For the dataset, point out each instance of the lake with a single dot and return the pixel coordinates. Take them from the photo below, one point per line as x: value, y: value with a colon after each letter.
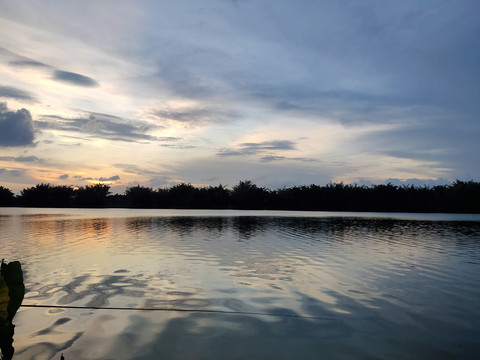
x: 286, y: 285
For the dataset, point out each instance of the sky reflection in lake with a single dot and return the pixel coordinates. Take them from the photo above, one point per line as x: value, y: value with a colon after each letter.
x: 405, y: 287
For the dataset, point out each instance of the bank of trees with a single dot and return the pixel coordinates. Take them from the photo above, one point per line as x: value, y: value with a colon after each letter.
x: 460, y: 196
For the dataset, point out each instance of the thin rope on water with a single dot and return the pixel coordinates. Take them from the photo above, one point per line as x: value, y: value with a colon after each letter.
x: 180, y: 310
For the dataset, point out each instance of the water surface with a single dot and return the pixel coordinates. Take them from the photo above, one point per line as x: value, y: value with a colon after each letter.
x: 382, y: 286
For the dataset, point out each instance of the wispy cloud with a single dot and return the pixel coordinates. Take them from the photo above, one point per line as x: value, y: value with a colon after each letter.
x: 251, y: 148
x: 194, y: 116
x: 89, y: 178
x: 135, y: 169
x: 30, y: 158
x: 98, y: 125
x: 74, y: 78
x: 28, y: 63
x: 14, y: 173
x: 266, y: 150
x: 111, y: 178
x: 17, y: 94
x: 169, y: 139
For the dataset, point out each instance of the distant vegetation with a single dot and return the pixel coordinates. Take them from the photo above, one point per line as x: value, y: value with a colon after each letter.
x: 458, y: 197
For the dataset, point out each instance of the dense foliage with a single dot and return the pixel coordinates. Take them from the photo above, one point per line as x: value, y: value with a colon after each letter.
x: 460, y: 196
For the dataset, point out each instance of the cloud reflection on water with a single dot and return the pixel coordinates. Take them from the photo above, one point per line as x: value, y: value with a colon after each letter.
x: 400, y: 286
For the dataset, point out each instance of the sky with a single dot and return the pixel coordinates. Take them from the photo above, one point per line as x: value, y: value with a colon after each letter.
x: 208, y: 92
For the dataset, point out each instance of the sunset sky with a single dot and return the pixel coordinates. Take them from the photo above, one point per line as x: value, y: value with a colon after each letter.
x: 281, y: 93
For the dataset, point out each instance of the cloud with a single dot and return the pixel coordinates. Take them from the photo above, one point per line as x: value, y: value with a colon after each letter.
x: 258, y: 148
x: 285, y: 64
x: 64, y: 177
x: 20, y: 158
x: 17, y: 94
x: 229, y: 171
x: 163, y: 181
x: 173, y: 143
x: 111, y: 178
x: 135, y: 169
x: 168, y: 138
x: 178, y: 146
x: 100, y: 126
x: 16, y: 128
x: 353, y: 63
x: 196, y: 115
x: 270, y: 158
x: 449, y: 145
x: 28, y: 63
x: 74, y: 78
x: 265, y: 150
x: 12, y: 173
x: 89, y: 178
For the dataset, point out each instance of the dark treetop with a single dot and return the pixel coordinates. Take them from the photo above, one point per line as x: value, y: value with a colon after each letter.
x: 458, y: 197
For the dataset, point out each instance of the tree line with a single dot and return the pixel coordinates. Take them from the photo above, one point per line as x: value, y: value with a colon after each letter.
x: 458, y: 197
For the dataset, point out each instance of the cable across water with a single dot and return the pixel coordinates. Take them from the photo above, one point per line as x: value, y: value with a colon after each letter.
x: 179, y: 310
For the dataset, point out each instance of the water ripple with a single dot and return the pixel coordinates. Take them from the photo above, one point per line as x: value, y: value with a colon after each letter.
x: 402, y: 284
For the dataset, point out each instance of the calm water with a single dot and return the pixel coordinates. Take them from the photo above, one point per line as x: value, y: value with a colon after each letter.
x: 385, y: 286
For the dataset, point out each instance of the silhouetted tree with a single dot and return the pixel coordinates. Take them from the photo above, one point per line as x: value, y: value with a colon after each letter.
x: 184, y: 196
x: 46, y: 195
x: 61, y: 196
x: 461, y: 196
x: 464, y: 196
x: 246, y: 195
x: 36, y: 196
x: 92, y: 196
x: 162, y: 199
x: 215, y: 197
x: 139, y: 197
x: 386, y: 197
x: 6, y: 197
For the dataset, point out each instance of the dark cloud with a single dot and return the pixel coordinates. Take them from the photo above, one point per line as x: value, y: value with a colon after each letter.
x: 89, y: 178
x: 20, y: 158
x: 180, y: 147
x: 100, y: 126
x: 270, y: 158
x: 16, y: 128
x: 28, y: 63
x: 15, y: 173
x: 265, y: 150
x: 169, y: 138
x: 351, y: 62
x: 269, y: 145
x: 111, y: 178
x: 74, y: 78
x: 259, y: 148
x: 196, y: 116
x: 303, y: 159
x: 64, y: 177
x: 17, y: 94
x: 440, y: 142
x: 342, y: 105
